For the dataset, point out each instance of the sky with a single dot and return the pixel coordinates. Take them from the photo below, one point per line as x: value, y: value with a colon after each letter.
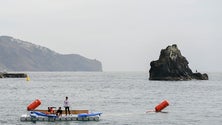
x: 125, y: 35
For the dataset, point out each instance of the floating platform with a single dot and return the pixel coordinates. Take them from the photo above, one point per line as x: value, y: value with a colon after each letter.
x: 50, y: 114
x: 27, y: 117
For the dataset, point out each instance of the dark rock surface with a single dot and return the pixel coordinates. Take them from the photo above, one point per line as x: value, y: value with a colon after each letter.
x: 171, y: 65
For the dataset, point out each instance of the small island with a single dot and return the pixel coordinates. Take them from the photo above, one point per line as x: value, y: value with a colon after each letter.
x: 171, y: 65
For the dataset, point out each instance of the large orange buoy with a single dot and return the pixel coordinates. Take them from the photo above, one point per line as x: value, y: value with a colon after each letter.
x: 33, y: 105
x: 161, y: 106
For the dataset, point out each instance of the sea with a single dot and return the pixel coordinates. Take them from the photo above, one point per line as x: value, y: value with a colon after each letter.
x: 122, y: 97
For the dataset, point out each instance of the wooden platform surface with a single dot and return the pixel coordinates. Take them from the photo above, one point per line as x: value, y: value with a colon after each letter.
x: 63, y: 111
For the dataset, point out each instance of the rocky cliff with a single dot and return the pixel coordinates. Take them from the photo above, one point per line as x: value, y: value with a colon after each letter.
x: 18, y: 55
x: 171, y: 65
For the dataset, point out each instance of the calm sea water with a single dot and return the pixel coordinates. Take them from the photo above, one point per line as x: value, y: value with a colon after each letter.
x: 123, y: 97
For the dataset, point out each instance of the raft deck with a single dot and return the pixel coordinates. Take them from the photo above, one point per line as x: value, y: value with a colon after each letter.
x: 63, y: 111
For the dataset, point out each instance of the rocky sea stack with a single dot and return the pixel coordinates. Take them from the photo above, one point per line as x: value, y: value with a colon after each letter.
x: 171, y: 65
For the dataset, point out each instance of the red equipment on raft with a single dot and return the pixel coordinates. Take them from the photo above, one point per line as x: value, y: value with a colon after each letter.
x: 161, y: 106
x: 33, y: 105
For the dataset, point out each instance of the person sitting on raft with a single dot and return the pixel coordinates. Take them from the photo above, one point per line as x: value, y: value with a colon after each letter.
x: 59, y: 112
x: 51, y: 110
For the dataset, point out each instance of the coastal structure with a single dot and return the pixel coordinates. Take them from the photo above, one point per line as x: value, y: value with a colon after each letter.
x: 13, y: 75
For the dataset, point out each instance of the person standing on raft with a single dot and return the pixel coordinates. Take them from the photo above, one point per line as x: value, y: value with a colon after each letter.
x: 66, y: 105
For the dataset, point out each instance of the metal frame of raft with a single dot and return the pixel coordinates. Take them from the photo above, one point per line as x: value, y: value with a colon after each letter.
x: 27, y: 117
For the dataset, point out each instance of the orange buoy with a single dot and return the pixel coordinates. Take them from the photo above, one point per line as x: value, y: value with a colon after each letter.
x: 33, y: 105
x: 161, y: 106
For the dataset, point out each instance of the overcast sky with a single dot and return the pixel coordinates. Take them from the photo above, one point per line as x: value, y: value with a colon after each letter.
x: 125, y: 35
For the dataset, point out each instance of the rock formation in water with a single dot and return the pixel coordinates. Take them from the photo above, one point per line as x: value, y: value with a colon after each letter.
x: 171, y: 65
x: 18, y: 55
